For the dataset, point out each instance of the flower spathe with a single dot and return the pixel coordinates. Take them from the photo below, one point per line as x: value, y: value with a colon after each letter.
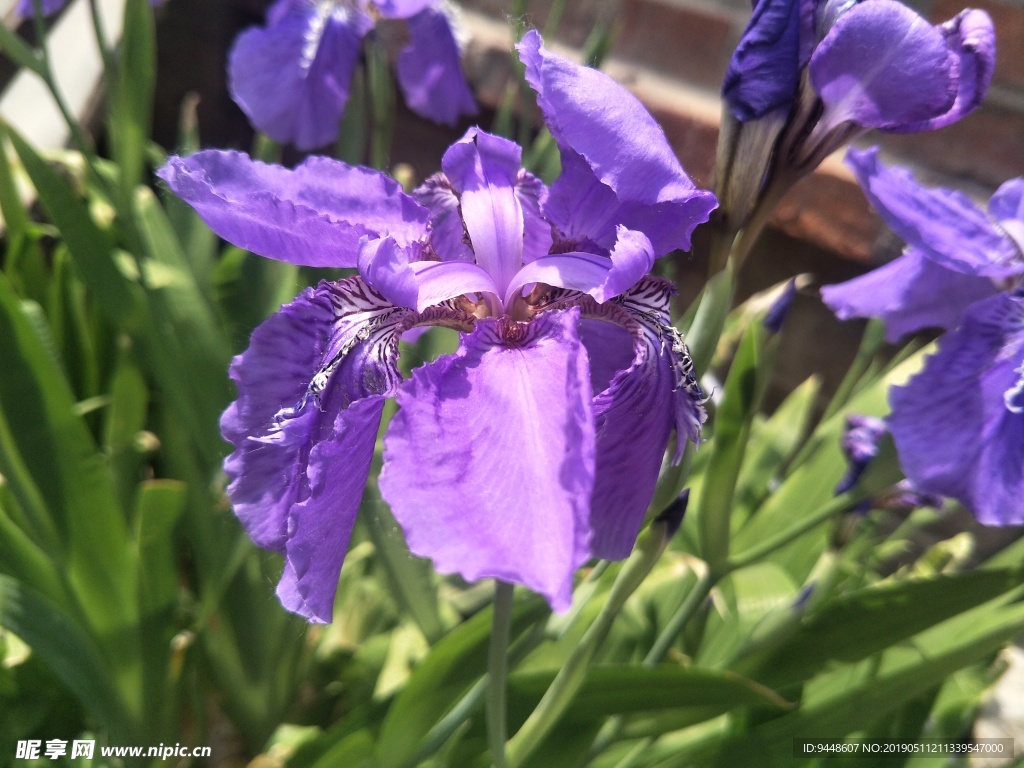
x: 875, y: 63
x: 808, y: 76
x: 958, y: 425
x: 292, y: 76
x: 533, y: 448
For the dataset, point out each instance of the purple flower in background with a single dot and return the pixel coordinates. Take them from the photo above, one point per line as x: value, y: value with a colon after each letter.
x: 537, y: 445
x: 50, y: 7
x: 292, y: 76
x: 872, y: 64
x: 956, y: 255
x: 958, y: 425
x: 860, y: 445
x: 810, y: 75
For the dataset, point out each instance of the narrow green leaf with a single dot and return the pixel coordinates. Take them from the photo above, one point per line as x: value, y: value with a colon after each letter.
x: 132, y: 102
x: 66, y: 649
x: 19, y: 52
x: 123, y: 425
x: 860, y: 624
x: 92, y: 251
x: 452, y: 666
x: 733, y: 420
x: 626, y: 689
x: 408, y: 575
x: 69, y: 473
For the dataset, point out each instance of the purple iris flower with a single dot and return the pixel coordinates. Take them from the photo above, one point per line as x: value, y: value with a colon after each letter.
x: 958, y: 425
x: 957, y: 254
x: 810, y: 75
x: 537, y: 445
x: 50, y: 7
x: 292, y: 76
x: 872, y: 64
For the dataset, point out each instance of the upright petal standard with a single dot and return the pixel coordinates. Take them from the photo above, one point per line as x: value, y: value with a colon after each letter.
x: 534, y: 447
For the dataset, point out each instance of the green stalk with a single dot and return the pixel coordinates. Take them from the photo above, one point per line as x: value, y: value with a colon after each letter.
x: 497, y: 674
x: 570, y: 677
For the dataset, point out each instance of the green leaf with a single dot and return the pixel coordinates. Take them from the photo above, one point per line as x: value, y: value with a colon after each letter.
x: 124, y: 423
x: 855, y: 699
x: 410, y: 577
x: 629, y: 689
x: 115, y: 296
x: 68, y: 471
x: 772, y: 442
x: 65, y: 648
x: 457, y: 661
x: 703, y: 333
x: 743, y: 390
x: 863, y: 623
x: 132, y: 100
x: 19, y: 52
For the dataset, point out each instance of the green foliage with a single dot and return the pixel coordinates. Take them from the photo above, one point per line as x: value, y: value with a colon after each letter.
x: 132, y: 607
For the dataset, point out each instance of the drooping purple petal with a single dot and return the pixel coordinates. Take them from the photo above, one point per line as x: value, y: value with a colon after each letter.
x: 483, y: 169
x: 637, y: 413
x: 429, y: 71
x: 310, y: 396
x: 909, y: 294
x: 417, y: 284
x: 292, y: 78
x: 946, y: 222
x: 883, y: 66
x: 591, y: 115
x: 765, y: 68
x: 958, y: 425
x: 971, y: 40
x: 602, y: 277
x: 313, y: 215
x: 489, y: 462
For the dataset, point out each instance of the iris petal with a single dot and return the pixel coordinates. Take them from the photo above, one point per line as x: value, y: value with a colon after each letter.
x: 636, y: 415
x: 418, y: 284
x: 591, y: 115
x: 292, y: 77
x: 505, y: 427
x: 313, y: 215
x: 483, y: 169
x: 311, y: 390
x: 907, y: 78
x: 946, y: 222
x: 601, y: 277
x: 429, y: 71
x: 952, y: 429
x: 909, y: 294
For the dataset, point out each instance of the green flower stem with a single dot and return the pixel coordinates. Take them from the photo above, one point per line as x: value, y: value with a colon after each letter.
x: 51, y: 84
x: 871, y: 342
x: 497, y: 674
x: 838, y: 504
x: 705, y: 583
x: 572, y: 674
x: 467, y: 705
